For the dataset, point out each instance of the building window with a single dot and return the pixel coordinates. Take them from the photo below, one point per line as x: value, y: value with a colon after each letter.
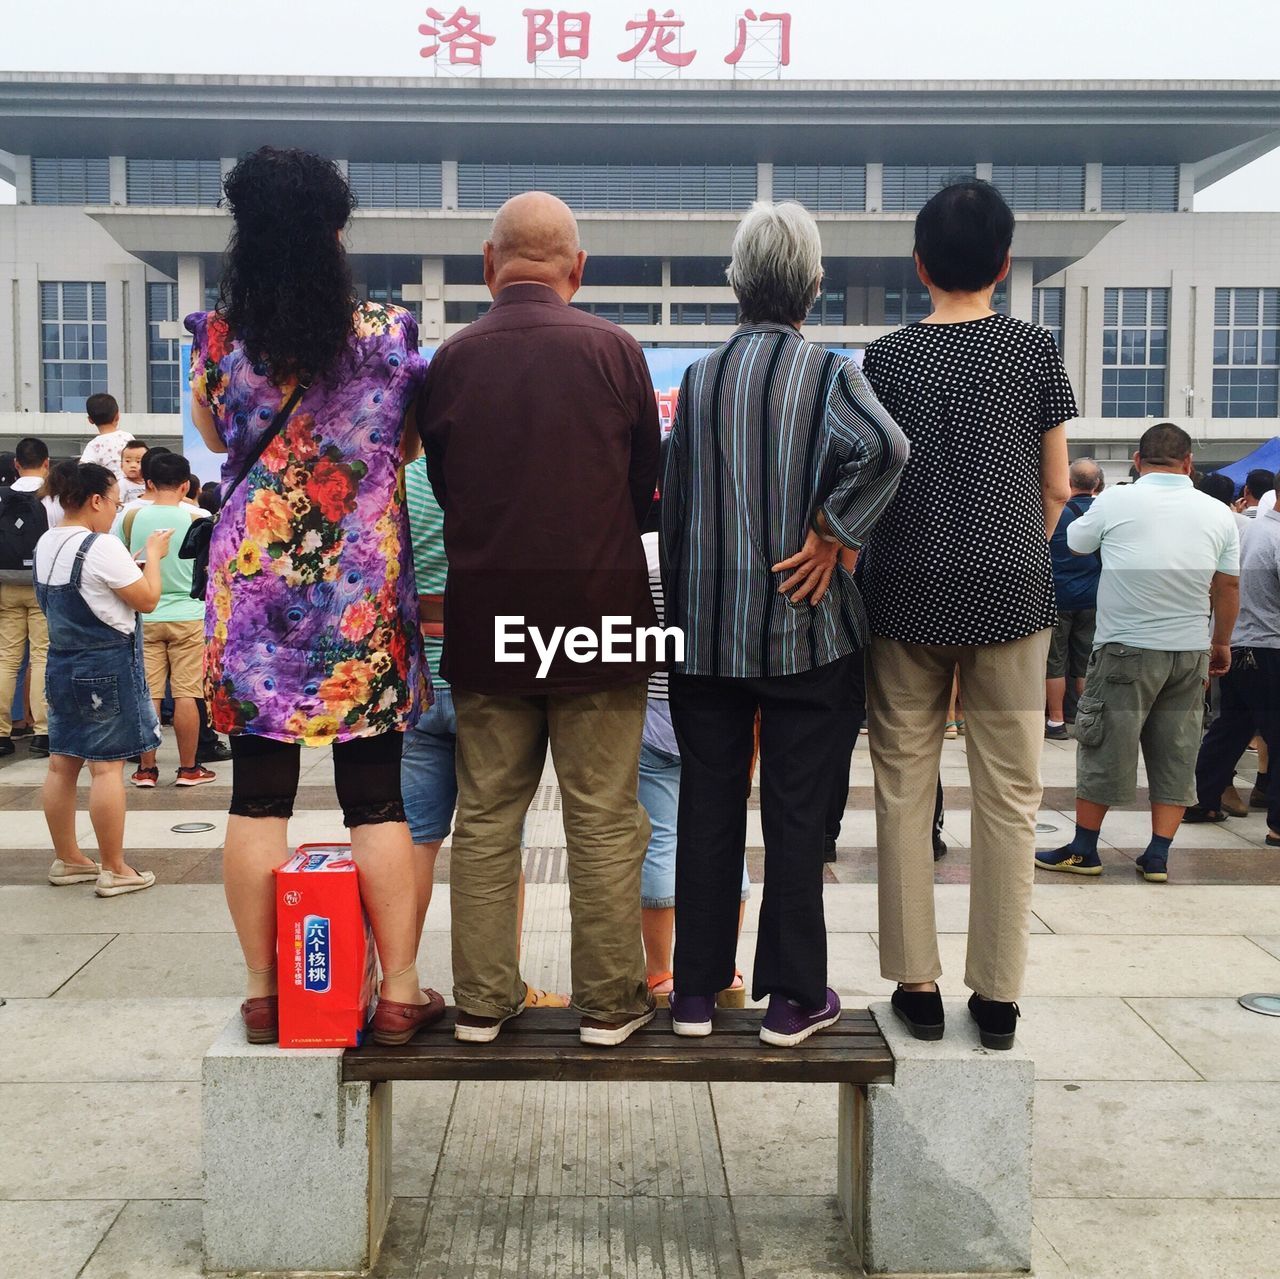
x: 70, y: 181
x: 1135, y: 346
x: 829, y: 308
x: 174, y: 182
x: 1246, y: 352
x: 1140, y: 188
x: 693, y: 187
x: 1040, y: 187
x: 824, y: 188
x: 465, y: 312
x: 1046, y: 311
x: 722, y: 313
x: 73, y: 344
x: 387, y: 185
x: 623, y: 312
x: 163, y: 357
x: 910, y: 305
x: 908, y: 187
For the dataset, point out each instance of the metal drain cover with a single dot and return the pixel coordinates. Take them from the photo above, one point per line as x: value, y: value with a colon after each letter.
x: 1268, y: 1005
x: 191, y: 828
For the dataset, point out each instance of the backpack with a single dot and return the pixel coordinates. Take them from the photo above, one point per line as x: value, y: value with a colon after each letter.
x: 22, y: 521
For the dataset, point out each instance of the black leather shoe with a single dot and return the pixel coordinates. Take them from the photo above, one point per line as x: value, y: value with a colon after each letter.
x: 6, y: 746
x: 997, y: 1022
x: 216, y: 752
x: 39, y: 747
x: 920, y: 1011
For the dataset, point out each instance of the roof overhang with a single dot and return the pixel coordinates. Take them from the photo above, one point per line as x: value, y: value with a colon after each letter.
x: 1066, y: 121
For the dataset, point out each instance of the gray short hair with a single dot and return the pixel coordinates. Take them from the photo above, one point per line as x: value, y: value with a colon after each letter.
x: 776, y: 269
x: 1084, y: 475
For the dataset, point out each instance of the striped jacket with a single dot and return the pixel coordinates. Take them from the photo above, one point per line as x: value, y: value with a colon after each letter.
x: 769, y: 429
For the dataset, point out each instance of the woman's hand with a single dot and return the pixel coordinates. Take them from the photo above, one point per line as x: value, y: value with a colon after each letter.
x: 813, y: 566
x: 157, y: 546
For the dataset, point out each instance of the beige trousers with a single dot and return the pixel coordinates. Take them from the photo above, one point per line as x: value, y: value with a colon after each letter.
x: 22, y: 623
x: 595, y: 745
x: 908, y: 688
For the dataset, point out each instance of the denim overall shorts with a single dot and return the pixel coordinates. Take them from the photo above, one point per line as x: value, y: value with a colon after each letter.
x: 99, y: 705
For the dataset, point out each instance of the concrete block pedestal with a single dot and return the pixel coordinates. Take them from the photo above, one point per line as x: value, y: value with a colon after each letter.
x: 297, y: 1164
x: 935, y: 1168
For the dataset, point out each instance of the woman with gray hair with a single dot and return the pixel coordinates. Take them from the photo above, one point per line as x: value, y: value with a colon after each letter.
x: 779, y: 456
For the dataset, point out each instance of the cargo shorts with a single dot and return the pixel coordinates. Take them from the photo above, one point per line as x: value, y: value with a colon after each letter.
x: 1140, y: 697
x: 1071, y: 643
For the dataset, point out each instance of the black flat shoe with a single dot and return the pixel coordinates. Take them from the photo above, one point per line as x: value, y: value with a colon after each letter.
x: 1194, y: 813
x: 997, y: 1022
x: 920, y: 1011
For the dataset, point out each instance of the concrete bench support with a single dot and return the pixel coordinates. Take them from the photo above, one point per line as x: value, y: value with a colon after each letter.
x: 297, y: 1164
x: 935, y: 1168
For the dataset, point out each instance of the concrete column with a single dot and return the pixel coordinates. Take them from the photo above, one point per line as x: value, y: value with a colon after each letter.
x: 1021, y: 282
x: 983, y: 169
x: 666, y: 291
x: 1182, y: 325
x: 1073, y: 338
x: 1091, y: 374
x: 855, y: 305
x: 432, y: 326
x: 127, y: 336
x: 190, y: 285
x: 22, y: 178
x: 875, y: 187
x: 1202, y: 349
x: 1186, y: 187
x: 117, y: 342
x: 227, y: 163
x: 1092, y: 188
x: 26, y: 329
x: 297, y: 1164
x: 875, y: 306
x: 946, y: 1147
x: 764, y: 181
x: 118, y: 179
x: 8, y: 342
x: 449, y: 183
x: 344, y: 166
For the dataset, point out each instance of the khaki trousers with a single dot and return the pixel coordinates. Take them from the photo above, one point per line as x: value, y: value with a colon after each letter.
x: 908, y: 688
x: 595, y: 745
x: 22, y: 623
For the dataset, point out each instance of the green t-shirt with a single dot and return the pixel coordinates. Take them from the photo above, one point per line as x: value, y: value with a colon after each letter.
x: 176, y: 604
x: 426, y: 531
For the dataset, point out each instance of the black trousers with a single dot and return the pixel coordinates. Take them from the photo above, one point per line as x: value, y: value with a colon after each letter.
x: 840, y: 787
x: 804, y: 736
x: 1249, y: 694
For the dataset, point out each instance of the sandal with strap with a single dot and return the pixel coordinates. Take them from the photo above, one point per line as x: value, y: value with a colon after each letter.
x: 661, y: 998
x: 535, y: 998
x: 734, y: 996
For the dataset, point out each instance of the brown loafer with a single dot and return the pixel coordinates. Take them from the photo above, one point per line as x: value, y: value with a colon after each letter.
x: 395, y: 1023
x: 261, y: 1018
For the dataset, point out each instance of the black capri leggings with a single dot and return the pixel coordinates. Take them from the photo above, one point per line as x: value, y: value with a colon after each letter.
x: 264, y: 778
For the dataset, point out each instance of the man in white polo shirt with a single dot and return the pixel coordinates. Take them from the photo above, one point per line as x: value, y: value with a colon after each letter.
x: 1170, y: 557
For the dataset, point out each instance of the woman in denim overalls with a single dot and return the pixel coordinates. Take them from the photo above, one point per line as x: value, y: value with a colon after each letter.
x: 100, y: 711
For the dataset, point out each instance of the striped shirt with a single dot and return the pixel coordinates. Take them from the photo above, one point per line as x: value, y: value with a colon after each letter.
x: 430, y: 567
x: 769, y: 429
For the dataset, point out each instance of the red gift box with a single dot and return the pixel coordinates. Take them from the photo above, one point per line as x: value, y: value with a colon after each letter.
x: 325, y: 955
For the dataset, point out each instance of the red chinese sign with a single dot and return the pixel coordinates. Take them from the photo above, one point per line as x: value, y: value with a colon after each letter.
x: 460, y: 34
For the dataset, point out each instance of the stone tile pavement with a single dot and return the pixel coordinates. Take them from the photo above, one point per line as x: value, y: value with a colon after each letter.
x: 1157, y: 1108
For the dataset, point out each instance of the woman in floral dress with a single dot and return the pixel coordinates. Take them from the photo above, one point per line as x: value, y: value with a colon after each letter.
x: 311, y: 623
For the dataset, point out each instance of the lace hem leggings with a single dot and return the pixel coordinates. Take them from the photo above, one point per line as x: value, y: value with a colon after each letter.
x: 264, y: 778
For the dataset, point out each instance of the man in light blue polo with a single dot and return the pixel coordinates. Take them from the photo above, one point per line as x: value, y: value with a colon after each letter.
x: 1170, y: 557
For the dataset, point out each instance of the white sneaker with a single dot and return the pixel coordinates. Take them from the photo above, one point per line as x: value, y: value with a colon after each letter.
x: 112, y: 885
x: 481, y: 1030
x: 602, y: 1036
x: 61, y: 873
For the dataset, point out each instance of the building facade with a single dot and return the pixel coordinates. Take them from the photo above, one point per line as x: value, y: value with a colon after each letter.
x: 1159, y: 311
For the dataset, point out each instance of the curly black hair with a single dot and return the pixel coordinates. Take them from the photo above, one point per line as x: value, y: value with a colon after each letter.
x: 286, y: 289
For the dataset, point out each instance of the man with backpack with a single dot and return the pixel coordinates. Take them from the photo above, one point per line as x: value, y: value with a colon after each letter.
x: 23, y: 518
x: 173, y: 633
x: 1075, y: 584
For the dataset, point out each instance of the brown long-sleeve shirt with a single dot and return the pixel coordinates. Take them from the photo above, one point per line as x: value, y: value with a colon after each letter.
x: 540, y: 429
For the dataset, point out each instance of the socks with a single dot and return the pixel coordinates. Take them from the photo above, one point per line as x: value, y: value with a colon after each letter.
x: 1159, y: 845
x: 404, y: 987
x: 1086, y: 841
x: 262, y: 981
x: 1053, y: 723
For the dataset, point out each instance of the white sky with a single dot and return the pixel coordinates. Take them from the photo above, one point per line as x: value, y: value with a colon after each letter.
x: 839, y: 39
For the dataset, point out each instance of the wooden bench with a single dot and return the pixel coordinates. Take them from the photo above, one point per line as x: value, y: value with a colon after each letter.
x: 298, y: 1144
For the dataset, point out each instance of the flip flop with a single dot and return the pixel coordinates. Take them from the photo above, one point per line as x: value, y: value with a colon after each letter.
x: 734, y: 996
x: 535, y: 998
x: 661, y: 998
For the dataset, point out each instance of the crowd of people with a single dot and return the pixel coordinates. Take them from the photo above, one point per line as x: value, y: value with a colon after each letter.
x: 422, y: 566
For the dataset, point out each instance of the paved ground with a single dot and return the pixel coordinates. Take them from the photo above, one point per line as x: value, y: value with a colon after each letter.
x: 1157, y: 1107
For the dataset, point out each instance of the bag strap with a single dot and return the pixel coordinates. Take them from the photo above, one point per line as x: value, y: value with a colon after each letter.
x: 127, y: 526
x: 277, y: 425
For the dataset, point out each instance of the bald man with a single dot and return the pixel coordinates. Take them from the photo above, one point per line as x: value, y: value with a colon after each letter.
x: 540, y: 429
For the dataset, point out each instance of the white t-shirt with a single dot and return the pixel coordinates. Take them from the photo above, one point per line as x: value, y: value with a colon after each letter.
x: 107, y: 566
x: 1267, y: 502
x: 105, y: 450
x: 131, y: 490
x: 33, y: 484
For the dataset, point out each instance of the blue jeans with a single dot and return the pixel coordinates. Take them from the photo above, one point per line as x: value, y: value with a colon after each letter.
x: 428, y: 776
x: 660, y: 798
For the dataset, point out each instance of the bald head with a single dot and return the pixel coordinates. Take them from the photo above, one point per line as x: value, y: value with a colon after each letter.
x: 534, y: 240
x: 1084, y: 475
